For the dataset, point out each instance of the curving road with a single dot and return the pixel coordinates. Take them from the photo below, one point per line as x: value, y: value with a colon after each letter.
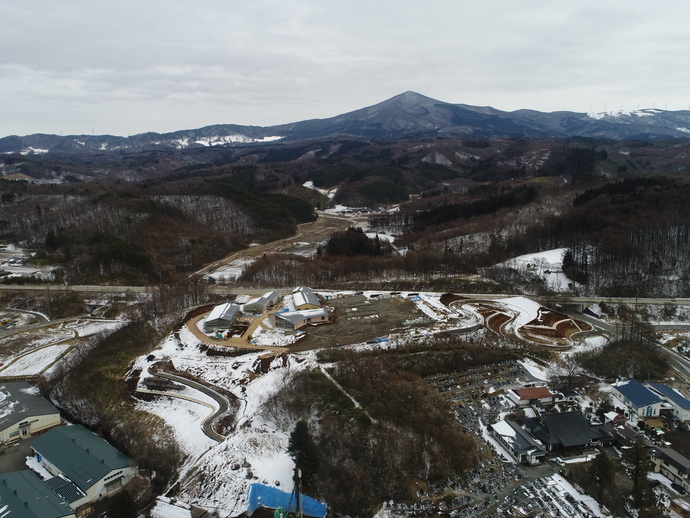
x: 223, y: 403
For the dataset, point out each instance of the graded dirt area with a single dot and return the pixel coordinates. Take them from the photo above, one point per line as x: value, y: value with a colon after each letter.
x: 359, y: 320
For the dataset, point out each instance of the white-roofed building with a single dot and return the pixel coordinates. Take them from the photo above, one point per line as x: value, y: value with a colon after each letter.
x: 261, y: 304
x: 305, y: 298
x: 221, y: 317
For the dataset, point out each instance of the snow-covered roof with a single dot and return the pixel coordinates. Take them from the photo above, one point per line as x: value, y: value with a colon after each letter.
x: 304, y: 295
x: 226, y: 311
x: 21, y: 400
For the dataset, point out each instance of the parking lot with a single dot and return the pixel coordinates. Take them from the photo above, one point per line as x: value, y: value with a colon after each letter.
x: 14, y: 458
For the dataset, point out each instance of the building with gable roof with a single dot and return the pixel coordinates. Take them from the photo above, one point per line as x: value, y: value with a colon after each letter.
x: 672, y: 465
x: 305, y: 298
x: 24, y: 495
x: 680, y: 406
x: 261, y: 304
x: 24, y: 412
x: 637, y: 399
x: 221, y: 317
x: 85, y: 467
x: 566, y: 431
x: 525, y: 397
x: 518, y: 443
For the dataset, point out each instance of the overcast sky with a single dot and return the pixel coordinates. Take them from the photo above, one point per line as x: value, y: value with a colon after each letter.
x: 126, y: 67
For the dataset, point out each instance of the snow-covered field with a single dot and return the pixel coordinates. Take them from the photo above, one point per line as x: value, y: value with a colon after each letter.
x: 35, y: 362
x: 547, y: 264
x: 230, y: 272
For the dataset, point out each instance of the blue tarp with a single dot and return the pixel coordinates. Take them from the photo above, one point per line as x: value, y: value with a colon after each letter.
x: 261, y: 495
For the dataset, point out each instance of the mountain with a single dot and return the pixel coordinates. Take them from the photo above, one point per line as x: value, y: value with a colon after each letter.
x: 404, y: 116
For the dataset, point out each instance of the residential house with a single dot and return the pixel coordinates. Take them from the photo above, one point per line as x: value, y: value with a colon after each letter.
x: 679, y: 405
x: 221, y: 317
x: 261, y: 304
x: 637, y: 399
x: 24, y: 495
x: 564, y: 394
x: 518, y: 443
x: 672, y: 465
x: 85, y: 468
x: 24, y: 412
x: 295, y: 320
x: 305, y: 298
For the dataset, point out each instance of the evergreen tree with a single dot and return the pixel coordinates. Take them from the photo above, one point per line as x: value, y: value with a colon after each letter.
x: 638, y: 466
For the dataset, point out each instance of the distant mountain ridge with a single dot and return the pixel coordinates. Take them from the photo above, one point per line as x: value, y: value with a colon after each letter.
x: 406, y: 115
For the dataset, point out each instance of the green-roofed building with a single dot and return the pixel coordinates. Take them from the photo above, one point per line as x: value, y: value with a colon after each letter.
x: 24, y: 495
x: 96, y: 468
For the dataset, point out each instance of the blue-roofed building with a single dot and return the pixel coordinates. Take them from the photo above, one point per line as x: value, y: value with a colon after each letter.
x: 93, y: 468
x: 637, y: 399
x: 680, y: 406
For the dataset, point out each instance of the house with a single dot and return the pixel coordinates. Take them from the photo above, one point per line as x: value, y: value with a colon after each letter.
x: 295, y: 320
x: 566, y: 431
x: 221, y: 317
x: 564, y: 394
x: 672, y: 465
x: 305, y: 298
x: 518, y: 443
x: 24, y: 495
x: 24, y: 412
x: 261, y: 304
x: 525, y: 397
x: 680, y: 406
x: 637, y: 399
x: 85, y: 468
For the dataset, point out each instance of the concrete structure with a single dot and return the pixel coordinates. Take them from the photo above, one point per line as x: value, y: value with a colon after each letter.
x: 85, y: 467
x: 298, y: 319
x: 672, y: 465
x: 24, y: 495
x: 679, y: 405
x: 24, y: 412
x: 261, y: 304
x: 529, y: 396
x: 518, y: 443
x: 305, y: 298
x: 221, y: 317
x: 637, y: 399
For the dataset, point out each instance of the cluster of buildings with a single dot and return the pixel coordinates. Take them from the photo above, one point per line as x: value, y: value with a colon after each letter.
x: 302, y: 310
x: 78, y: 468
x: 547, y: 434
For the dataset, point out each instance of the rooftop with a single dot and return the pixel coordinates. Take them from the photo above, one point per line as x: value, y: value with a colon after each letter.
x: 668, y: 393
x: 637, y: 393
x: 533, y: 393
x: 19, y: 401
x: 24, y: 495
x: 225, y: 311
x: 79, y: 454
